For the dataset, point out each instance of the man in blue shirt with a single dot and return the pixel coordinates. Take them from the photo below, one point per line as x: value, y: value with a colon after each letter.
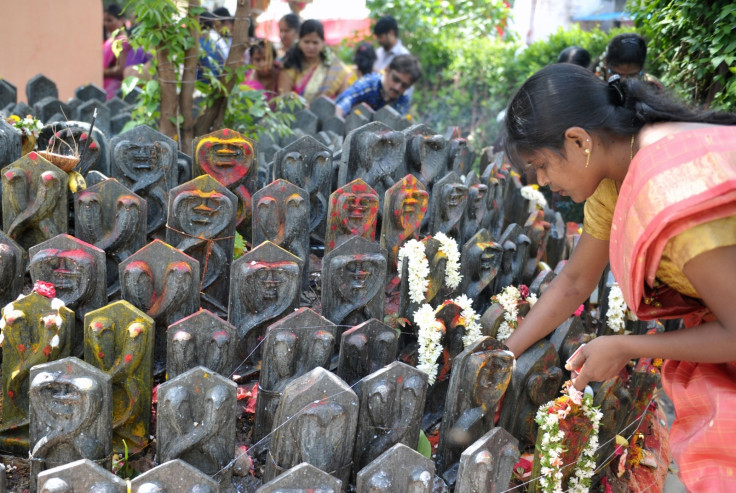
x: 378, y: 90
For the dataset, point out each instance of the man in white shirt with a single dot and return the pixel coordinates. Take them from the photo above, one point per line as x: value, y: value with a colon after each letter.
x: 386, y: 31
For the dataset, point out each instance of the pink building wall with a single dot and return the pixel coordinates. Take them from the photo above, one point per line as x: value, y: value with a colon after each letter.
x: 60, y: 38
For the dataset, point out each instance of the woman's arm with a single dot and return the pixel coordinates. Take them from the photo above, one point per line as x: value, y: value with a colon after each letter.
x: 563, y: 296
x: 712, y: 275
x: 116, y: 71
x: 285, y: 83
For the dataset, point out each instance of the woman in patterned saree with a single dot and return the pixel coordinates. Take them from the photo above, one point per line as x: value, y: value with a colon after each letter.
x: 660, y: 184
x: 308, y: 68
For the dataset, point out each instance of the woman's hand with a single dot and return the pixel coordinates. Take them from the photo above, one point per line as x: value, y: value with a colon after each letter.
x: 600, y: 359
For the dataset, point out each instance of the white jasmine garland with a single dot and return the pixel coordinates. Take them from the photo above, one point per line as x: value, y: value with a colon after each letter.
x: 431, y: 330
x: 413, y: 251
x: 535, y: 197
x: 430, y: 333
x: 551, y: 447
x: 509, y: 300
x: 470, y: 320
x: 616, y: 309
x: 448, y: 246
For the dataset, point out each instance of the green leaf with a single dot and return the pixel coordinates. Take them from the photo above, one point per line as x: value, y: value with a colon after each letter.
x: 129, y: 84
x: 424, y: 447
x: 239, y: 246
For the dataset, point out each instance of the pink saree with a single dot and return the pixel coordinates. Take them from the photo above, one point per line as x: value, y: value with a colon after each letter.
x: 675, y: 184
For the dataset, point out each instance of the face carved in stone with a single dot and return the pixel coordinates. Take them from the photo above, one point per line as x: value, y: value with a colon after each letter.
x: 149, y: 158
x: 357, y: 275
x: 453, y: 197
x: 268, y: 285
x: 67, y: 400
x: 202, y: 214
x: 479, y: 198
x: 72, y: 272
x: 226, y: 159
x: 412, y: 207
x: 358, y: 211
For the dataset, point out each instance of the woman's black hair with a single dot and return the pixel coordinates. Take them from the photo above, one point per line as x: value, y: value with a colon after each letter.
x: 292, y: 20
x: 260, y: 45
x: 575, y: 55
x: 564, y: 95
x: 294, y: 58
x: 626, y: 48
x: 364, y: 57
x: 114, y: 10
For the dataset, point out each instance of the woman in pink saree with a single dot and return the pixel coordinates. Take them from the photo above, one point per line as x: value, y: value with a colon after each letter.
x: 113, y: 66
x: 660, y: 184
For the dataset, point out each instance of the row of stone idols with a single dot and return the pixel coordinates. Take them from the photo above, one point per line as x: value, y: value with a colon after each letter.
x: 81, y: 410
x: 42, y: 96
x: 65, y: 409
x: 337, y: 422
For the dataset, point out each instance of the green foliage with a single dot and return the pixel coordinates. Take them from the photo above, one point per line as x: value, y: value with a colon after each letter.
x: 249, y: 113
x: 239, y: 248
x: 483, y: 74
x: 162, y: 25
x: 424, y: 447
x: 692, y: 47
x: 470, y: 72
x: 121, y: 466
x: 148, y: 109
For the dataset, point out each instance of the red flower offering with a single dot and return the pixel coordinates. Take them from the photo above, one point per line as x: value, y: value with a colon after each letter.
x: 46, y: 289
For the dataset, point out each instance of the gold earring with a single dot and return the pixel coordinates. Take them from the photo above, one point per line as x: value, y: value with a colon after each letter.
x: 587, y: 160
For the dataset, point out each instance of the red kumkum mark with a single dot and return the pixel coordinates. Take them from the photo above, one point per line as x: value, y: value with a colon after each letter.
x: 128, y: 358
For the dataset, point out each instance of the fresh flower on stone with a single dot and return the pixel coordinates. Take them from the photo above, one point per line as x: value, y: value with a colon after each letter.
x: 616, y: 310
x: 448, y: 246
x: 571, y: 403
x: 46, y: 289
x: 431, y: 330
x: 469, y: 320
x: 26, y: 126
x: 54, y: 341
x: 535, y: 197
x: 510, y: 299
x: 430, y: 334
x: 413, y: 251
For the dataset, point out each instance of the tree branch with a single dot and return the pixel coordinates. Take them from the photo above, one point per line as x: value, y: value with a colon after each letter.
x: 188, y: 78
x: 167, y: 81
x: 212, y: 117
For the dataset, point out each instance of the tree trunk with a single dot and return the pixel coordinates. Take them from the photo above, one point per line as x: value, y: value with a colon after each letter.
x: 188, y: 78
x: 211, y: 118
x: 169, y: 103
